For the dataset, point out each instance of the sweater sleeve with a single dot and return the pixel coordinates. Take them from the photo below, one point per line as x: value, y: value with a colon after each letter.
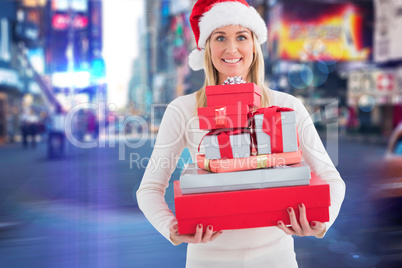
x: 316, y: 156
x: 169, y: 145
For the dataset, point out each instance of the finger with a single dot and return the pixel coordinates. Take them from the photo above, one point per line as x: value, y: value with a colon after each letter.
x: 319, y: 228
x: 174, y: 233
x: 173, y: 228
x: 284, y: 228
x: 198, y: 234
x: 183, y: 238
x: 293, y: 221
x: 303, y: 218
x: 208, y: 233
x: 215, y: 235
x: 189, y: 238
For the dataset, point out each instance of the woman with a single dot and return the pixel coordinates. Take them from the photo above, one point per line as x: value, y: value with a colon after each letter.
x: 229, y: 35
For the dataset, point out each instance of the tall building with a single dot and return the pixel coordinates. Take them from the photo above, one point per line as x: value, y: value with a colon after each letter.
x: 73, y: 47
x: 169, y: 39
x: 11, y: 84
x: 139, y: 91
x: 49, y: 50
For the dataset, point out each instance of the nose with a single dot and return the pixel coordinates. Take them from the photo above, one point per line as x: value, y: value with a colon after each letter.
x: 231, y: 47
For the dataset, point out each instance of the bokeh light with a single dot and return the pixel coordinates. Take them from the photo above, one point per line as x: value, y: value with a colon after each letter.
x: 360, y: 259
x: 140, y: 93
x: 366, y: 103
x: 326, y: 66
x: 300, y: 76
x: 319, y: 78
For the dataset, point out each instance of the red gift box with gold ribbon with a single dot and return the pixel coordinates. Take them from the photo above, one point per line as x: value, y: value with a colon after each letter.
x: 225, y: 95
x: 231, y: 116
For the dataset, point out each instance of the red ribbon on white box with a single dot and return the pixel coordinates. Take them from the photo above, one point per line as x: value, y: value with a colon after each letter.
x: 223, y: 135
x: 272, y: 125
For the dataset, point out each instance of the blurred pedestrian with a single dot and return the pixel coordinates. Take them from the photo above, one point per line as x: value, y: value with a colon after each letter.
x: 10, y: 127
x: 57, y: 136
x: 29, y: 127
x: 229, y: 35
x: 353, y: 120
x: 24, y: 127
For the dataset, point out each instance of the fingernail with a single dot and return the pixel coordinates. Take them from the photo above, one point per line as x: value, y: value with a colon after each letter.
x: 209, y: 227
x: 313, y: 224
x: 199, y: 226
x: 301, y: 205
x: 279, y: 223
x: 289, y: 210
x: 175, y: 226
x: 220, y: 232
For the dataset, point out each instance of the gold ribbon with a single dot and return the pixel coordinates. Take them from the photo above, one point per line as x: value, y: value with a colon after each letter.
x: 262, y: 161
x: 206, y: 164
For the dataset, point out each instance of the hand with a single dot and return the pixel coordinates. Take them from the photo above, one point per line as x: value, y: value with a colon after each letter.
x: 197, y: 237
x: 305, y: 228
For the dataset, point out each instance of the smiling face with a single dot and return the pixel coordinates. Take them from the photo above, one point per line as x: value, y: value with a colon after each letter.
x: 232, y: 51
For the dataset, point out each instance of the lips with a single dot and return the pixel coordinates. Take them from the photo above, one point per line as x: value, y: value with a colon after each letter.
x: 232, y: 60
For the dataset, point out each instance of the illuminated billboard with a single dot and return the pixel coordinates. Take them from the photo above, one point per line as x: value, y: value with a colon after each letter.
x: 319, y: 31
x: 65, y: 5
x: 380, y: 85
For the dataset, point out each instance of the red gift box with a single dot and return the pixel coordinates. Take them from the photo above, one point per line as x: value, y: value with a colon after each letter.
x: 224, y: 95
x: 250, y: 208
x: 232, y: 116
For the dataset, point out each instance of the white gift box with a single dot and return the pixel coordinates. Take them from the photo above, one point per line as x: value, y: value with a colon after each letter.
x: 240, y: 144
x: 289, y: 133
x: 196, y: 180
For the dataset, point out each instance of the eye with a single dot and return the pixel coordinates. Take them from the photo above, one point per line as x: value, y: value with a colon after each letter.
x: 220, y: 38
x: 241, y: 38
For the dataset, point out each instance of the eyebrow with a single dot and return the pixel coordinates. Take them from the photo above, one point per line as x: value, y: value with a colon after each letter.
x: 239, y: 32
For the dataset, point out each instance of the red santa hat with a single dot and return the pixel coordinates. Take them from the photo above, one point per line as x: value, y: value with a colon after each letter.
x: 209, y: 15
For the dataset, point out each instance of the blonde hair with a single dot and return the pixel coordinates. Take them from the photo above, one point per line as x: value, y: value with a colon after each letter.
x: 256, y: 74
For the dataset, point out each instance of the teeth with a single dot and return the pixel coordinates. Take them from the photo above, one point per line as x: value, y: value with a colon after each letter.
x: 232, y: 61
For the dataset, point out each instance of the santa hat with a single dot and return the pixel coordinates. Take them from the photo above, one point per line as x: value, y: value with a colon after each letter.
x: 209, y: 15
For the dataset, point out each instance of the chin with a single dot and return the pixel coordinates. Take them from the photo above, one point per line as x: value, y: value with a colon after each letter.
x: 232, y: 72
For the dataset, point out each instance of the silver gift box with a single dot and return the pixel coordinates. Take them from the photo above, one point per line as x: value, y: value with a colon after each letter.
x: 240, y: 144
x: 289, y: 135
x: 195, y: 180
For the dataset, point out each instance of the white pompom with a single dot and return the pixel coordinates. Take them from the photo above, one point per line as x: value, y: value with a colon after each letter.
x: 196, y: 59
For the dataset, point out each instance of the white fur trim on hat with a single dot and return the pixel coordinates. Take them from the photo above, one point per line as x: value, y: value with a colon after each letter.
x: 231, y: 13
x: 224, y: 14
x: 196, y: 59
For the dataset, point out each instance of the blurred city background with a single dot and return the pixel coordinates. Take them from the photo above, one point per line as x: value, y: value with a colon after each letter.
x: 67, y: 197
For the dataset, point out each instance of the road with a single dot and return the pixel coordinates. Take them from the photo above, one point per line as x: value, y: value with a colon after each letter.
x: 79, y: 211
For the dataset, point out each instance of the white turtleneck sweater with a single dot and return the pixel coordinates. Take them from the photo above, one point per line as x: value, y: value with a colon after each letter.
x: 256, y: 247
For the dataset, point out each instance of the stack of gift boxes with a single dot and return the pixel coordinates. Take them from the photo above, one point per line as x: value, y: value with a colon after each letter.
x: 252, y: 169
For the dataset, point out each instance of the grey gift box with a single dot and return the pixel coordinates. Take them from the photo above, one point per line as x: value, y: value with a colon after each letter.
x: 289, y: 133
x: 195, y: 180
x: 240, y: 144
